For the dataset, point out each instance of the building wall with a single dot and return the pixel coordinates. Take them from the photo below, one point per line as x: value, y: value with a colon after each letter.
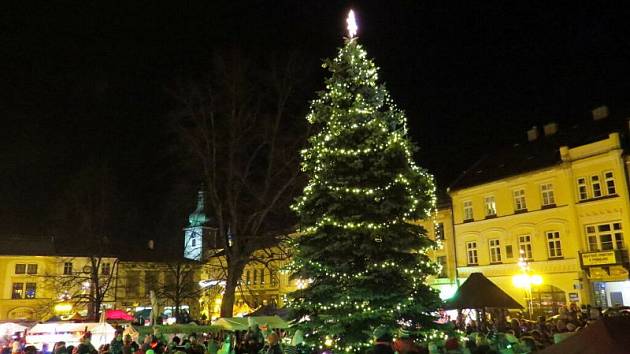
x: 568, y: 216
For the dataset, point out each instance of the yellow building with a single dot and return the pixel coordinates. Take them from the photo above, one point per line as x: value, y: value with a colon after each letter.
x: 439, y: 228
x: 559, y: 203
x: 35, y: 278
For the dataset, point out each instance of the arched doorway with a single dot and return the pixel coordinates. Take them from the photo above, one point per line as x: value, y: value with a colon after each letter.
x: 547, y: 299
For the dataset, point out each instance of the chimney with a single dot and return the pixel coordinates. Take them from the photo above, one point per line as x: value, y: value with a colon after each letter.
x: 532, y: 134
x: 550, y: 128
x: 600, y: 112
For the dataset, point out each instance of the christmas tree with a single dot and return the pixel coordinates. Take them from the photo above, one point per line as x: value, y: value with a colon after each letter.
x: 360, y: 257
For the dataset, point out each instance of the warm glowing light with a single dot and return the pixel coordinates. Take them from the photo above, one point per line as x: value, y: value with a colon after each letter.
x: 525, y: 280
x: 352, y: 24
x: 328, y: 342
x: 62, y: 308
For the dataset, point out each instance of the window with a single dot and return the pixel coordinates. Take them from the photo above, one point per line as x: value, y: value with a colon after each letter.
x: 150, y: 281
x: 31, y: 290
x: 471, y: 252
x: 582, y: 191
x: 519, y: 200
x: 441, y: 260
x: 255, y: 276
x: 31, y: 269
x: 106, y: 268
x: 604, y: 237
x: 18, y: 291
x: 468, y: 211
x: 509, y: 253
x: 439, y: 232
x: 525, y: 246
x: 20, y: 269
x: 262, y: 276
x: 596, y: 186
x: 272, y: 277
x: 67, y: 268
x: 546, y: 191
x: 610, y: 183
x: 495, y: 251
x: 247, y: 278
x: 491, y: 206
x: 132, y: 280
x: 554, y: 247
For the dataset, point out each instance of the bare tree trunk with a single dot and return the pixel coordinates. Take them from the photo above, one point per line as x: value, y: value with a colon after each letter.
x: 235, y: 271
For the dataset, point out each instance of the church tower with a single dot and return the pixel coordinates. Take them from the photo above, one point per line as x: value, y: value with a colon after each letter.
x: 198, y: 235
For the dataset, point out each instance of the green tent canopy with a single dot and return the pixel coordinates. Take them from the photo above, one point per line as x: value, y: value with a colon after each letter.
x: 242, y: 323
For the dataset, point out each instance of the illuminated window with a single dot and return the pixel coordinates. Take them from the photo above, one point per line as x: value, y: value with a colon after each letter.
x: 519, y: 200
x: 554, y: 247
x: 596, y: 186
x: 604, y: 237
x: 20, y: 269
x: 18, y: 291
x: 610, y: 183
x: 471, y: 252
x: 490, y: 205
x: 31, y: 269
x: 67, y: 268
x: 495, y: 251
x: 31, y: 290
x: 273, y: 277
x: 439, y: 232
x: 262, y: 276
x: 247, y: 278
x: 525, y: 246
x: 468, y: 210
x: 255, y: 276
x: 546, y: 191
x: 582, y: 191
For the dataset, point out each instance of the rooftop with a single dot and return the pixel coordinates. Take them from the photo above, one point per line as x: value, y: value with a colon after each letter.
x: 539, y: 153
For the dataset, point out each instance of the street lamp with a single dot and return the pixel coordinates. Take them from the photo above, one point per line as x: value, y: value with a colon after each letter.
x: 525, y: 280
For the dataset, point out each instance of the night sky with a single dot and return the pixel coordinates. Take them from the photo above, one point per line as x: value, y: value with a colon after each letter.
x: 86, y: 84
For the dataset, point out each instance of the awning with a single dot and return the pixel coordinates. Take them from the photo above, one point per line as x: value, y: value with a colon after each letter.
x: 242, y: 323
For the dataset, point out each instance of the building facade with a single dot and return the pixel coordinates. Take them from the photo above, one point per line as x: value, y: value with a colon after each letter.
x: 556, y: 208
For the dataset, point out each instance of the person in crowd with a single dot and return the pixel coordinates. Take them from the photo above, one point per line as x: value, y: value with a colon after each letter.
x: 104, y: 349
x: 212, y: 347
x: 129, y: 346
x: 116, y: 345
x: 60, y: 348
x: 273, y: 345
x: 194, y: 346
x: 85, y: 346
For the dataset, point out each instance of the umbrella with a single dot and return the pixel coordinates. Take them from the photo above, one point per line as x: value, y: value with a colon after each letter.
x: 118, y: 315
x: 608, y: 335
x: 479, y: 292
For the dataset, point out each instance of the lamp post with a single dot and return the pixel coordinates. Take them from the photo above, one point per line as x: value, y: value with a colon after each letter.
x: 526, y: 280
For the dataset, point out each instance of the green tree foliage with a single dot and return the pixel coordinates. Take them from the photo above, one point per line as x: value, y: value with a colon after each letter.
x: 364, y: 258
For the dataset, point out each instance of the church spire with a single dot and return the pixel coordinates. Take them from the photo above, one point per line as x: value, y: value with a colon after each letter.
x: 198, y: 217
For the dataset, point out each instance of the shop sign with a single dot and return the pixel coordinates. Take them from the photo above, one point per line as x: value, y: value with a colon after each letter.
x: 599, y: 258
x: 573, y: 297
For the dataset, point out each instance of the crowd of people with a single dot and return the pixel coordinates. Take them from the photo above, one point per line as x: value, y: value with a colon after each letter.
x: 487, y: 333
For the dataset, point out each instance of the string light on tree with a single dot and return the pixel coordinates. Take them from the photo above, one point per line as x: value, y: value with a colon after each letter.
x: 365, y: 259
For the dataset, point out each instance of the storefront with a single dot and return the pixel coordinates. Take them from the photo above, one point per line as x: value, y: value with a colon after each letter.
x: 607, y: 272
